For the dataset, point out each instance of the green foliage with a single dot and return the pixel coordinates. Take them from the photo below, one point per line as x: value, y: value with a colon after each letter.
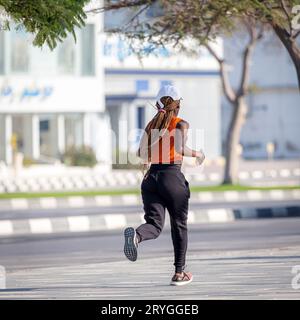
x: 112, y: 192
x: 82, y: 156
x: 49, y: 20
x: 179, y: 20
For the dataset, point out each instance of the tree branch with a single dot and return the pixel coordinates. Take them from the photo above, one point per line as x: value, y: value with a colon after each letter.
x: 136, y: 15
x: 291, y: 46
x: 228, y: 91
x: 285, y: 10
x: 120, y: 4
x: 294, y: 36
x: 213, y: 53
x: 254, y: 37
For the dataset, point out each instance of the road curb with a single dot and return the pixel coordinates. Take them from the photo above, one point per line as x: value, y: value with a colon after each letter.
x: 135, y: 199
x: 107, y: 222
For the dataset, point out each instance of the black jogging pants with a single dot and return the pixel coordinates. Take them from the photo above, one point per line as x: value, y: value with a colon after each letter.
x: 164, y: 186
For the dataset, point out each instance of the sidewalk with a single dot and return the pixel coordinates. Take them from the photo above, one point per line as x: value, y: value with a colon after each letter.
x: 259, y: 274
x: 62, y: 178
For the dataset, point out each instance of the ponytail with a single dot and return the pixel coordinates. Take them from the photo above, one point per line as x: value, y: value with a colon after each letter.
x: 161, y: 120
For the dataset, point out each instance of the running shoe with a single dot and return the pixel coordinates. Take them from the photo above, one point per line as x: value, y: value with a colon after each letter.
x: 131, y: 244
x: 181, y: 280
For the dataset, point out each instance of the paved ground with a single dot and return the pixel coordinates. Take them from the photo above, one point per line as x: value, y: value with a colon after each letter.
x: 255, y: 172
x: 244, y: 259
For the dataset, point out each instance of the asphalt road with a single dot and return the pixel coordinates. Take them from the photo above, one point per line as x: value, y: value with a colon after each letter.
x: 43, y: 251
x: 46, y: 267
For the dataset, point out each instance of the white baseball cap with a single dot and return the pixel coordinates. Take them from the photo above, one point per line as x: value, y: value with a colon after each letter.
x: 167, y: 91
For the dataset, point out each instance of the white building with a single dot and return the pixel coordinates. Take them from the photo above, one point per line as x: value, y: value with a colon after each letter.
x: 131, y: 87
x: 75, y: 94
x: 273, y: 102
x: 52, y: 100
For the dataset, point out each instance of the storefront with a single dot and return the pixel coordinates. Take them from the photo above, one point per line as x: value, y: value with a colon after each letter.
x: 97, y: 93
x: 52, y: 100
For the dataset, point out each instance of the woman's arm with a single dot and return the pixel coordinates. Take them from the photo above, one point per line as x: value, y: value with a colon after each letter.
x: 180, y: 142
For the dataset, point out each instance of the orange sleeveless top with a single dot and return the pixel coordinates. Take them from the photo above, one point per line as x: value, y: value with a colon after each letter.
x: 164, y: 151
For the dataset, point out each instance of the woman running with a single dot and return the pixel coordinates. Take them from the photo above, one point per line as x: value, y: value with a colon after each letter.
x: 164, y: 185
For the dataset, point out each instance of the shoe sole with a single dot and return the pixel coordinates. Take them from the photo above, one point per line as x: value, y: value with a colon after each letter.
x: 130, y: 249
x: 181, y: 283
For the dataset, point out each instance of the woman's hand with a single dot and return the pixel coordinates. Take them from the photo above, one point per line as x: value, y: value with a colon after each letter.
x: 200, y: 157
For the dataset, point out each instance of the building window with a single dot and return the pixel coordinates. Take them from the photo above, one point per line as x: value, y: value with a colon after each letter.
x: 165, y: 83
x: 44, y: 125
x: 141, y: 85
x: 19, y: 52
x: 1, y: 52
x: 140, y: 117
x: 88, y: 50
x: 66, y: 56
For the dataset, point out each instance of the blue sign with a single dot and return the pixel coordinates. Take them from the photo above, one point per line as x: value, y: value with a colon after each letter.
x: 43, y: 92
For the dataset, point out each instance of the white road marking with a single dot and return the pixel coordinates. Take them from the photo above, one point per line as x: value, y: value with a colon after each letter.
x: 244, y: 175
x: 214, y: 177
x: 231, y: 195
x: 199, y: 177
x: 273, y: 173
x: 42, y: 225
x: 296, y: 194
x: 103, y: 200
x: 191, y: 217
x: 285, y: 173
x: 257, y: 174
x: 79, y: 223
x: 6, y: 227
x: 254, y: 195
x: 76, y: 201
x: 19, y: 203
x: 277, y: 194
x: 141, y: 215
x: 296, y: 172
x: 130, y: 199
x: 115, y: 221
x: 48, y: 202
x: 2, y: 277
x: 205, y: 196
x: 219, y: 215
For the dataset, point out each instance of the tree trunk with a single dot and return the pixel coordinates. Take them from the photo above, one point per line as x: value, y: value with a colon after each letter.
x: 292, y: 48
x: 232, y: 141
x: 237, y: 100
